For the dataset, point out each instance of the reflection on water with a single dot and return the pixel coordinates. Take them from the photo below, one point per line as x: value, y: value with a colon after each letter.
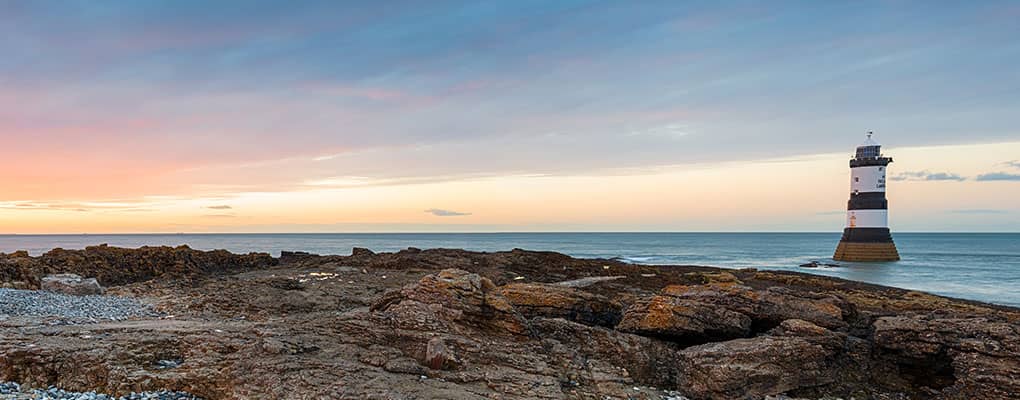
x: 976, y: 266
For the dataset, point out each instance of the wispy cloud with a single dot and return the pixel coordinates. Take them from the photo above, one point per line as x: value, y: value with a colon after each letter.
x: 1013, y: 163
x: 42, y: 207
x: 73, y: 206
x: 998, y: 176
x: 446, y: 213
x: 219, y: 216
x: 671, y: 131
x: 979, y: 211
x: 220, y: 207
x: 927, y: 176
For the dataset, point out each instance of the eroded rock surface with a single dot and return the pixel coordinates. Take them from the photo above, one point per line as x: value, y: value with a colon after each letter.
x: 685, y: 321
x: 962, y: 357
x: 465, y: 325
x: 117, y: 266
x: 562, y: 301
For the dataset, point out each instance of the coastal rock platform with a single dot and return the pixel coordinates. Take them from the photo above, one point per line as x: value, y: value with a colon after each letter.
x: 454, y: 324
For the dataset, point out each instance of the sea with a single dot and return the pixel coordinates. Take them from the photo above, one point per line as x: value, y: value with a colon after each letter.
x: 976, y: 266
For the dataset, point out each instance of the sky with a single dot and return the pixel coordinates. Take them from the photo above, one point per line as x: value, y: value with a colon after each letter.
x: 336, y: 116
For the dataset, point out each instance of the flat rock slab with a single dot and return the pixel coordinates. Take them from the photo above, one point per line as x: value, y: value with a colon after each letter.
x: 585, y: 282
x: 71, y: 284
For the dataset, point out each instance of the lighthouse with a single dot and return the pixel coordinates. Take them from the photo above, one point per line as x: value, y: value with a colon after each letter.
x: 866, y: 236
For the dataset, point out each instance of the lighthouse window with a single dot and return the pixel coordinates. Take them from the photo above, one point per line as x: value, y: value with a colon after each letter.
x: 856, y: 179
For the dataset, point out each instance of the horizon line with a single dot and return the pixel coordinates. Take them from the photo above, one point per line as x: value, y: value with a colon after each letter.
x: 479, y: 233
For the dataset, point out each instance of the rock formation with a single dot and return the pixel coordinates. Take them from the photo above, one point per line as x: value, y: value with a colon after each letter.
x: 118, y: 266
x: 510, y: 325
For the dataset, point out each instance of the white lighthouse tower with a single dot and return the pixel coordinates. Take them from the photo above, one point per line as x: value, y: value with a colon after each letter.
x: 866, y: 236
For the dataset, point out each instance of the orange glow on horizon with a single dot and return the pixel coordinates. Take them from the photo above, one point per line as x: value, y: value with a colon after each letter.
x: 804, y: 193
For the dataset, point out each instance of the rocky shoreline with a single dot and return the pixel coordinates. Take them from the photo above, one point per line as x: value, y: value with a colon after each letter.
x: 442, y: 323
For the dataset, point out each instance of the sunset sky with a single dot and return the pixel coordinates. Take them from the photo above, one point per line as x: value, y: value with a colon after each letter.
x: 196, y: 116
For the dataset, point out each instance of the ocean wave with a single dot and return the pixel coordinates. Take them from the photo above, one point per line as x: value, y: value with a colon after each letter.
x: 635, y: 259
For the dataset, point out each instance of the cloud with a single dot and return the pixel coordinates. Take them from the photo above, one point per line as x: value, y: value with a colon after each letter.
x: 927, y: 176
x: 670, y: 131
x: 979, y: 211
x: 998, y: 176
x: 29, y: 206
x: 446, y: 213
x: 219, y: 216
x: 86, y: 126
x: 220, y: 207
x: 1014, y: 163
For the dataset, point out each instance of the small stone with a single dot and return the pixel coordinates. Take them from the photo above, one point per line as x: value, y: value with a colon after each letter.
x: 438, y: 355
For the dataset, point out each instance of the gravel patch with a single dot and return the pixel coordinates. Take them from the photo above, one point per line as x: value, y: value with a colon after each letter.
x: 61, y: 308
x: 13, y: 391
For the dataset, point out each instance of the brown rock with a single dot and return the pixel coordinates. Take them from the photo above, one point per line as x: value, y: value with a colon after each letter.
x: 361, y: 252
x: 760, y: 366
x: 438, y: 355
x: 240, y: 333
x: 18, y: 254
x: 287, y: 257
x: 642, y: 359
x: 285, y: 283
x: 556, y: 301
x: 684, y: 320
x: 453, y: 295
x: 954, y: 357
x: 113, y: 266
x: 769, y: 307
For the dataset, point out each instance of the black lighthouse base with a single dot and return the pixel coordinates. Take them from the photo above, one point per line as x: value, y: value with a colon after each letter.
x: 866, y: 244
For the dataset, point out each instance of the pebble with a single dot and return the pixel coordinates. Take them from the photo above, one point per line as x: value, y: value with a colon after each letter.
x: 14, y: 391
x: 71, y: 309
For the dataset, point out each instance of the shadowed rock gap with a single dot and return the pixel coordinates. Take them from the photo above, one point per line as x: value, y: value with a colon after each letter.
x: 933, y: 372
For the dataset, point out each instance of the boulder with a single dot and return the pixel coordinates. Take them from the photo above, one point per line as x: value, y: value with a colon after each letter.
x: 791, y: 358
x: 452, y: 296
x: 640, y: 358
x: 556, y: 301
x: 18, y: 254
x: 955, y: 357
x: 682, y: 320
x: 361, y: 252
x: 71, y: 284
x: 767, y: 308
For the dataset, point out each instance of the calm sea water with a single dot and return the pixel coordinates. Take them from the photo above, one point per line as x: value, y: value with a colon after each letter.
x: 976, y: 266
